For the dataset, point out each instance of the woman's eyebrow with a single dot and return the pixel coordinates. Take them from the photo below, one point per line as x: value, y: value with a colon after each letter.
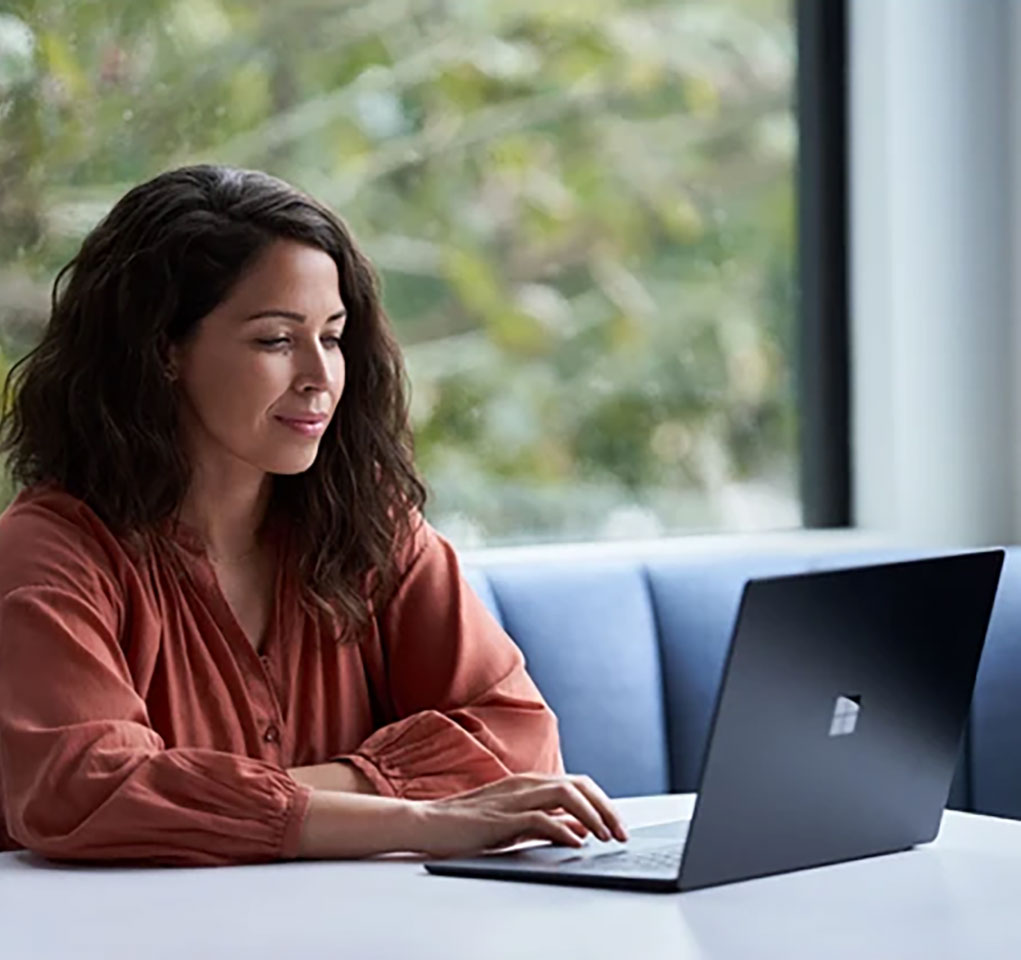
x: 291, y: 315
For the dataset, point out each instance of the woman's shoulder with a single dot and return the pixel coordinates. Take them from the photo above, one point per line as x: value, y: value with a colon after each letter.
x: 50, y: 537
x: 415, y: 537
x: 48, y: 510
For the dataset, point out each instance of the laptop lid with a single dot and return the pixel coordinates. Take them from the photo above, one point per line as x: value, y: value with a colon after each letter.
x: 839, y: 719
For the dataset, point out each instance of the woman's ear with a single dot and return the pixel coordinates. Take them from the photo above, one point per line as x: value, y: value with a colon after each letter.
x: 173, y: 358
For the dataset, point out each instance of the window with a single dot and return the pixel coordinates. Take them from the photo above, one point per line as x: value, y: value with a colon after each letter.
x: 584, y: 214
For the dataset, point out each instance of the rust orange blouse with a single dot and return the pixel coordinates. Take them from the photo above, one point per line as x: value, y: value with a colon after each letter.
x: 138, y: 722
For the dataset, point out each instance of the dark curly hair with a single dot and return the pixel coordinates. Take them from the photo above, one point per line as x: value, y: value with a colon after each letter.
x: 91, y: 410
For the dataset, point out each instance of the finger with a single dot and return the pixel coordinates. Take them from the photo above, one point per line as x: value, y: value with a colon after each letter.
x: 598, y: 799
x: 576, y: 825
x: 572, y: 823
x: 541, y: 825
x: 587, y: 812
x: 563, y: 794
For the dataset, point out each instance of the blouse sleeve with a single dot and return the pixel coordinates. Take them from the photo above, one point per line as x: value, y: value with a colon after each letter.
x: 84, y: 776
x: 468, y: 712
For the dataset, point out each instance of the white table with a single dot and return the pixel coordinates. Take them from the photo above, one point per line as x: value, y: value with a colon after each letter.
x: 959, y: 897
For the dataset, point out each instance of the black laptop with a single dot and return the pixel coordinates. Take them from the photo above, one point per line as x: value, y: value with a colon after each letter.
x: 835, y: 736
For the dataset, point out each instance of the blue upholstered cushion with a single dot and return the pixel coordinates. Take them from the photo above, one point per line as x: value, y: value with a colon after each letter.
x: 588, y: 635
x: 860, y: 558
x: 479, y: 582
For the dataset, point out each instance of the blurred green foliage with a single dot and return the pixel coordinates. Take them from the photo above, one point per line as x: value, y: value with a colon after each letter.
x: 583, y: 214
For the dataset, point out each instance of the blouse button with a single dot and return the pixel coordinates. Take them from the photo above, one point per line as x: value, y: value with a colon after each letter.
x: 271, y: 735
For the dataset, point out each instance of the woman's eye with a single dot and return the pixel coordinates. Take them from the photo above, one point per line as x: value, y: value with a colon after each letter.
x: 280, y: 340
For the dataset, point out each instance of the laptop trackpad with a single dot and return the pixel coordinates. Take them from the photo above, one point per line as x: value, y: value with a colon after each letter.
x: 641, y: 838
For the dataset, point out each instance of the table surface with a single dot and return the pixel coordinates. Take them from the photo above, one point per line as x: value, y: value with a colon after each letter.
x: 957, y: 897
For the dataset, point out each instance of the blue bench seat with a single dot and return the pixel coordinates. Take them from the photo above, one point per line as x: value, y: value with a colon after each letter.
x: 629, y: 653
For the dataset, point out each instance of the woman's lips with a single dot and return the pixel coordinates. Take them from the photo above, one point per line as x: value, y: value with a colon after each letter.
x: 307, y: 429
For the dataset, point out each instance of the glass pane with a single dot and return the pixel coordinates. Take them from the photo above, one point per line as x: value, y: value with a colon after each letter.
x: 583, y: 213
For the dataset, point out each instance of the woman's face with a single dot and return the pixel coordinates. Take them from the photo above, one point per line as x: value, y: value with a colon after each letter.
x: 271, y: 350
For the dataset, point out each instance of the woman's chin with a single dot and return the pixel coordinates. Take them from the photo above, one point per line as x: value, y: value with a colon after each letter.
x: 292, y: 462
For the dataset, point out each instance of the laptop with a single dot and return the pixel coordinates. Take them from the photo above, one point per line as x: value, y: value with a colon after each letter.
x: 835, y: 735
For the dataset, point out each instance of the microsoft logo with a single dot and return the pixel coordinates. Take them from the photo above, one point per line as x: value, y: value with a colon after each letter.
x: 845, y: 715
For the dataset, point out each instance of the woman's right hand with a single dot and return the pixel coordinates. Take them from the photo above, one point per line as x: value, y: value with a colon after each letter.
x: 527, y: 806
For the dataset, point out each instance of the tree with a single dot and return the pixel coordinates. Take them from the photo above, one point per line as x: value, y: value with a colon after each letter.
x: 582, y: 213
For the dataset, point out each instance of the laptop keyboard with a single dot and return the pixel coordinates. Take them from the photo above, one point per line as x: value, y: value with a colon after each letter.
x: 666, y: 859
x: 648, y: 854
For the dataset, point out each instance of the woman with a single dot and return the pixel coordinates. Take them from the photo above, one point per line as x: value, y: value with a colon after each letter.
x: 227, y: 633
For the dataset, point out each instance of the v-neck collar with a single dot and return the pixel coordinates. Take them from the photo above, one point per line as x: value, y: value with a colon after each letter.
x: 187, y: 537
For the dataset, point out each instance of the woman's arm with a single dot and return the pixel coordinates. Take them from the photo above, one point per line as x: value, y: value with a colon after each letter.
x: 521, y: 807
x: 338, y: 775
x: 466, y: 711
x: 84, y: 774
x: 86, y: 778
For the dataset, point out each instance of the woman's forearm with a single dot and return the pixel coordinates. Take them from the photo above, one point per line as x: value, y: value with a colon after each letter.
x: 341, y: 825
x: 336, y: 775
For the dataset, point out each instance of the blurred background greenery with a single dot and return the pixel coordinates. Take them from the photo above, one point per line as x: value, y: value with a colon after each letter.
x: 582, y: 210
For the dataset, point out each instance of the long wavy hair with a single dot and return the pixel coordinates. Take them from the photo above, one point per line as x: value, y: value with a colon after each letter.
x: 92, y: 410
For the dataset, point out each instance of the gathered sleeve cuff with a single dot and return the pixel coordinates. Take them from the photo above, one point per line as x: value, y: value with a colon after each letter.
x: 426, y: 756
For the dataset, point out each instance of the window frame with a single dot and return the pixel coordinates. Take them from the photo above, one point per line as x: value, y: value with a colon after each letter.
x: 822, y: 362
